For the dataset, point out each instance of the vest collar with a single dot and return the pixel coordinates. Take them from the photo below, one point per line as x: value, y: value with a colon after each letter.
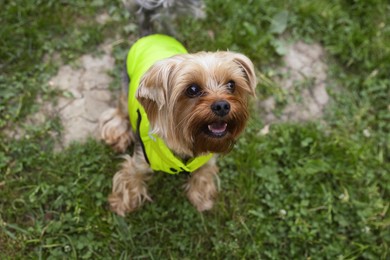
x: 160, y: 157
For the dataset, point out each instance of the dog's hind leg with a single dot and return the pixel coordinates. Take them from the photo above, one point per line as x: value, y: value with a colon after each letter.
x: 115, y: 127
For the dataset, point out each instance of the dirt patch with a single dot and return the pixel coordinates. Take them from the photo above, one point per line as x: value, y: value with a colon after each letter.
x: 303, y: 82
x: 86, y: 94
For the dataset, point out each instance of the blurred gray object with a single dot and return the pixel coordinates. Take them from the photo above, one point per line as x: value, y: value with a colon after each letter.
x: 158, y: 16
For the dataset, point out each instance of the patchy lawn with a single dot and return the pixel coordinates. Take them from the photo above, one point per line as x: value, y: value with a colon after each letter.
x: 294, y: 187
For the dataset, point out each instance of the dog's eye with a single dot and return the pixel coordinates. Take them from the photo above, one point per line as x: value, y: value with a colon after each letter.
x: 231, y: 85
x: 193, y: 90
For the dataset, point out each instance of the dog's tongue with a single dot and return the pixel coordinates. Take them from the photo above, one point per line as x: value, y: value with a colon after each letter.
x: 217, y: 127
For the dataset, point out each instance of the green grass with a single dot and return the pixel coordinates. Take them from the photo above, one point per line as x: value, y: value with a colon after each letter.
x: 313, y: 190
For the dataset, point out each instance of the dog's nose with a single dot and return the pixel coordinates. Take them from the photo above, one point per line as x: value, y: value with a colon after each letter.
x: 221, y: 108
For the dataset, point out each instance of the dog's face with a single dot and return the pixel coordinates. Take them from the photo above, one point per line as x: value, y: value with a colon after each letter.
x: 197, y: 103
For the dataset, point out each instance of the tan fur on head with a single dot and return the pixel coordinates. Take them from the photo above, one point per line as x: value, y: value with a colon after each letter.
x: 182, y: 121
x: 247, y: 66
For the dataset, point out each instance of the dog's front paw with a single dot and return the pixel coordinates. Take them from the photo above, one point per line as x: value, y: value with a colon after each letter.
x: 115, y: 130
x: 202, y: 200
x: 201, y: 189
x: 129, y: 190
x: 122, y: 204
x: 117, y: 205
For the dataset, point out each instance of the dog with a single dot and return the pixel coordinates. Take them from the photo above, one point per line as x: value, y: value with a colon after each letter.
x: 180, y: 111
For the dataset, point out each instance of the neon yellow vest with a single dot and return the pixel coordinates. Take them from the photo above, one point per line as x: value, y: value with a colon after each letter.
x: 142, y: 55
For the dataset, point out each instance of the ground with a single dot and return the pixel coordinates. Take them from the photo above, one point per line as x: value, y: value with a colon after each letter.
x: 308, y: 179
x: 88, y: 95
x: 303, y: 78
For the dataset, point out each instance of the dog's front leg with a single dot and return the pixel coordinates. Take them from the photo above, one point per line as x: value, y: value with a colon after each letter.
x: 129, y: 189
x: 200, y: 188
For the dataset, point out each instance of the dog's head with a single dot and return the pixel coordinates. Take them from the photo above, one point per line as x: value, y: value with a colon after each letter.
x: 197, y: 103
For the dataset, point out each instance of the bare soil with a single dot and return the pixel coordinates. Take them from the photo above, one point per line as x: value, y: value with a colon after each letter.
x: 303, y: 80
x: 87, y: 94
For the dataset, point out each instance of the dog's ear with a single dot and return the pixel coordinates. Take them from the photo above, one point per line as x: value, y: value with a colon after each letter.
x: 154, y: 83
x: 247, y: 67
x: 153, y: 87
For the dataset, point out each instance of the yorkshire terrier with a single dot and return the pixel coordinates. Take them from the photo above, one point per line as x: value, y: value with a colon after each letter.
x: 180, y: 111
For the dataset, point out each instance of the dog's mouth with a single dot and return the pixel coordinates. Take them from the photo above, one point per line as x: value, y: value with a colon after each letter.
x: 217, y: 129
